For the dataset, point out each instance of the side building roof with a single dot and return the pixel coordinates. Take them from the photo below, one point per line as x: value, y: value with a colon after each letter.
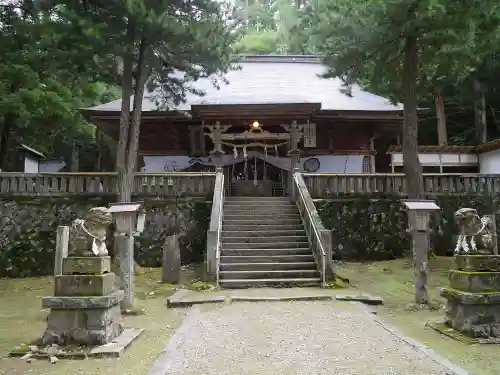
x: 271, y: 80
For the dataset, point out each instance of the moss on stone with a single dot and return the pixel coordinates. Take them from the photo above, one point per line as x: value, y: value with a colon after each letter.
x: 199, y: 286
x: 28, y: 230
x: 374, y: 228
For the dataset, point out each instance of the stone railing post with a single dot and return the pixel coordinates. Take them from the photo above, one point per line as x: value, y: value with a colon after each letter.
x: 325, y: 235
x: 213, y: 229
x: 62, y: 243
x: 292, y: 189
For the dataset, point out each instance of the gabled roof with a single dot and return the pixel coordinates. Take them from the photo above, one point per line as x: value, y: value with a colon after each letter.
x: 32, y: 151
x: 273, y: 80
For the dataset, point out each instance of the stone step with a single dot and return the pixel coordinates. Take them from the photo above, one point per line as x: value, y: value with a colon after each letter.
x: 260, y: 209
x: 264, y: 251
x: 262, y: 215
x: 263, y: 233
x: 250, y: 283
x: 268, y: 274
x: 264, y: 240
x: 262, y: 227
x: 237, y: 220
x: 267, y: 266
x: 257, y: 203
x: 268, y: 259
x: 253, y: 199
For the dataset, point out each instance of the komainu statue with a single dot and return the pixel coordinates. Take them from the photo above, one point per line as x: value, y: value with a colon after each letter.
x: 472, y: 227
x: 88, y: 236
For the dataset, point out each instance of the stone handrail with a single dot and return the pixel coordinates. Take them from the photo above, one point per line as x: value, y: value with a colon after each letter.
x: 319, y: 238
x: 324, y: 185
x: 214, y: 230
x: 168, y: 184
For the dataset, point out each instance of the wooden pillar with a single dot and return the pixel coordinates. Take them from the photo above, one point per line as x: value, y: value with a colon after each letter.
x: 480, y: 111
x: 192, y: 140
x: 98, y: 157
x: 441, y: 119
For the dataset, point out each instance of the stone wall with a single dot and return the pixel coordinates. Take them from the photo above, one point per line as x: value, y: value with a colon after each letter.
x: 28, y: 231
x: 375, y: 229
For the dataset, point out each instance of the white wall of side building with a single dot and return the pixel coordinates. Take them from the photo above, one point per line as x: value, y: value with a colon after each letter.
x: 489, y: 162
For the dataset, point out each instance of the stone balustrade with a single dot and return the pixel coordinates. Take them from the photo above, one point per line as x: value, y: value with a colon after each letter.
x: 170, y: 184
x: 326, y: 185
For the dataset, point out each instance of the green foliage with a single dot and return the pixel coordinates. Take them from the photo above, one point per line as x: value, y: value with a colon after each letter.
x: 363, y: 40
x: 42, y: 84
x: 264, y: 42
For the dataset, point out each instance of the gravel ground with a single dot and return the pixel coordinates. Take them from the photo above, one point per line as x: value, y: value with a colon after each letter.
x: 293, y: 338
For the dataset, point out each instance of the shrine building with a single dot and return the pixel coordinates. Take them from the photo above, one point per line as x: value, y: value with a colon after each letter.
x: 256, y: 111
x: 273, y: 114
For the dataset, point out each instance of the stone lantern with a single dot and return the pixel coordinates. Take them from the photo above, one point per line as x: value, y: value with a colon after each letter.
x: 419, y: 214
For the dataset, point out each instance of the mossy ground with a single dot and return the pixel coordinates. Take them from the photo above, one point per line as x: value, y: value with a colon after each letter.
x: 393, y: 281
x: 22, y: 320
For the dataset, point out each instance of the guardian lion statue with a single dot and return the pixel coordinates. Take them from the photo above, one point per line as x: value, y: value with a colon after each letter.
x: 472, y: 227
x: 88, y: 236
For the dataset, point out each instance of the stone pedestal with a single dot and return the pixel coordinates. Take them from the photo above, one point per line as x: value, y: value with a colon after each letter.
x: 473, y: 298
x: 85, y: 308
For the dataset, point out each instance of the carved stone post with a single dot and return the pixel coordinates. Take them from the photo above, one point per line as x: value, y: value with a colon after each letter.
x: 85, y: 309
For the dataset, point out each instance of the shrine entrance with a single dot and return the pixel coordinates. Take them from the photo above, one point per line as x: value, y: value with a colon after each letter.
x: 255, y: 177
x: 251, y: 172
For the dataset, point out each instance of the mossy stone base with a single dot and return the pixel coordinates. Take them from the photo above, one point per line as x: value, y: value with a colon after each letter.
x: 86, y: 265
x: 84, y: 285
x: 474, y: 320
x: 474, y: 281
x: 477, y: 263
x: 458, y: 336
x: 467, y: 298
x: 83, y: 327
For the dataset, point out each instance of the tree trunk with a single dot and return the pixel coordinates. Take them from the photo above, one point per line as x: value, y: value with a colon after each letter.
x: 480, y: 112
x: 441, y: 119
x: 125, y: 245
x: 411, y: 163
x: 124, y: 189
x: 99, y: 144
x: 135, y: 126
x: 122, y: 246
x: 5, y: 130
x: 75, y: 158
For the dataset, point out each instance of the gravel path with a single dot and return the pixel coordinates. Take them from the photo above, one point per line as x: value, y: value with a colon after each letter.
x: 293, y: 338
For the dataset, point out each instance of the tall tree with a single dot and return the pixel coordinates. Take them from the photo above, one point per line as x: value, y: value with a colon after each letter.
x: 163, y: 47
x: 397, y: 47
x: 42, y: 85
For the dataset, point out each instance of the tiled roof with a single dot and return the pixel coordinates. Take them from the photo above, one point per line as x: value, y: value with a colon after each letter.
x: 274, y: 80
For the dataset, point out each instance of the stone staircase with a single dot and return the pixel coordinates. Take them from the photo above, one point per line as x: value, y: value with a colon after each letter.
x: 264, y: 244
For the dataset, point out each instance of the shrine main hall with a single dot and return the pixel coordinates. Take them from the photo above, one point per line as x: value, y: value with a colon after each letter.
x: 273, y: 114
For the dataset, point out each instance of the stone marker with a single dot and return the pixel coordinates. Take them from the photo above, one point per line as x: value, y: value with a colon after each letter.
x: 473, y: 298
x: 62, y: 242
x: 85, y: 308
x: 171, y: 267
